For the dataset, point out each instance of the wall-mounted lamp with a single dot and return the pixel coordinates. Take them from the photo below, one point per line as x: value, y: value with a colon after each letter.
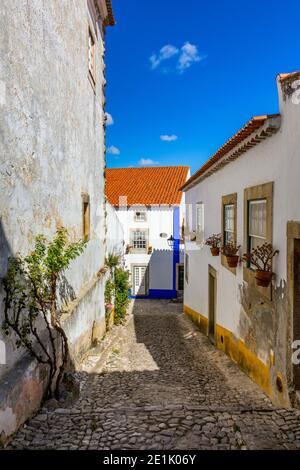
x: 171, y: 241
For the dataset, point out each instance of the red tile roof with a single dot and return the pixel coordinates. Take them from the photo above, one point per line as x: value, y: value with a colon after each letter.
x: 255, y: 123
x: 286, y: 76
x: 110, y: 18
x: 147, y: 186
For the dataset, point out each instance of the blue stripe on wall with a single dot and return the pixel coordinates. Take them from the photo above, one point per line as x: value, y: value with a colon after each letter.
x: 167, y: 293
x: 176, y: 235
x: 156, y: 294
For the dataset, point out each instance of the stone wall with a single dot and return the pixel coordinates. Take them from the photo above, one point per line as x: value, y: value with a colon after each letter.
x: 52, y: 150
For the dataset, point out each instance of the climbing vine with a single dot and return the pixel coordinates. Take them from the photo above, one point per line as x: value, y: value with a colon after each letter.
x: 122, y: 286
x: 116, y: 289
x: 31, y: 303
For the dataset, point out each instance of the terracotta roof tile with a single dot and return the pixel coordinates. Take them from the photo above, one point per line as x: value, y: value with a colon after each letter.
x: 147, y: 186
x: 255, y: 123
x: 286, y: 76
x: 110, y: 18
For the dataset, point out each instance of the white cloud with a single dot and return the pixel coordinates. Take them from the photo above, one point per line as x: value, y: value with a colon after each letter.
x: 147, y: 161
x: 188, y: 55
x: 168, y: 138
x: 113, y: 150
x: 109, y: 119
x: 165, y: 53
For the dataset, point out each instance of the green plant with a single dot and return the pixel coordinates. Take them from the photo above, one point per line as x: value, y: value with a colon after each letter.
x: 261, y: 257
x: 112, y: 261
x: 231, y: 249
x: 31, y: 308
x: 109, y: 291
x: 214, y: 241
x: 122, y: 286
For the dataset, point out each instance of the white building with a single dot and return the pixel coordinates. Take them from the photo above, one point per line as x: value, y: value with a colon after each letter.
x: 249, y: 190
x: 52, y: 162
x: 150, y: 207
x: 115, y: 242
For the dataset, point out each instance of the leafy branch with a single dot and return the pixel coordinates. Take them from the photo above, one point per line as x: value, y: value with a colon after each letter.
x: 261, y: 257
x: 214, y: 241
x: 31, y: 303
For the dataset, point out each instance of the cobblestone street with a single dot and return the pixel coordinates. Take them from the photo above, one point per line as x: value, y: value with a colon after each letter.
x: 164, y: 386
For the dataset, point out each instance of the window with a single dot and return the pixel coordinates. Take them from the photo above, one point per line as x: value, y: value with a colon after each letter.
x: 186, y: 267
x: 92, y: 70
x: 139, y: 240
x: 229, y: 224
x: 229, y: 230
x: 86, y: 216
x: 257, y: 223
x: 140, y: 216
x: 200, y: 222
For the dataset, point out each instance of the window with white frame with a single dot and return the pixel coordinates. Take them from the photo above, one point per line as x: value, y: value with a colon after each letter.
x: 229, y: 224
x: 139, y: 239
x: 257, y: 224
x: 92, y: 70
x: 140, y: 216
x: 200, y: 222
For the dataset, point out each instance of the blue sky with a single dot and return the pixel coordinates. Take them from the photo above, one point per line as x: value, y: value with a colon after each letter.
x: 193, y: 71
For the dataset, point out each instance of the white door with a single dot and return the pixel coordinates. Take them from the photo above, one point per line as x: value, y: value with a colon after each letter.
x: 139, y: 280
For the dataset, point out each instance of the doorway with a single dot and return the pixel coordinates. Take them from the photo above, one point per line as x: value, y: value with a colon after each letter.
x: 180, y: 278
x: 140, y: 279
x: 212, y: 302
x: 296, y: 308
x: 293, y: 284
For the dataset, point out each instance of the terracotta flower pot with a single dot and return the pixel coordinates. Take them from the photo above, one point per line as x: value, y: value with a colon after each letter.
x: 215, y: 251
x: 232, y: 261
x: 263, y: 278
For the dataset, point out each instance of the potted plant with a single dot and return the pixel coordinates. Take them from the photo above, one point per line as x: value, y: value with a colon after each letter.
x: 193, y: 236
x: 214, y: 242
x: 230, y: 250
x: 128, y: 248
x: 150, y: 249
x: 261, y: 258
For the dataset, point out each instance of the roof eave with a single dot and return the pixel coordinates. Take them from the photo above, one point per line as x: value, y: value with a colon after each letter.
x: 110, y: 19
x: 284, y: 77
x: 269, y: 126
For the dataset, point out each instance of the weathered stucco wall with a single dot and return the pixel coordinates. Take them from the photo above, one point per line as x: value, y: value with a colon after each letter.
x: 115, y: 234
x: 254, y: 327
x: 52, y: 145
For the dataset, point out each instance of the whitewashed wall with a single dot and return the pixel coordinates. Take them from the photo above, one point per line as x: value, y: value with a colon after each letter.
x: 276, y: 159
x: 159, y: 220
x: 115, y: 233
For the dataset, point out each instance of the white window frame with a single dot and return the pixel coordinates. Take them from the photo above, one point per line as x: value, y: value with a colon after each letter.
x: 92, y: 55
x: 226, y: 230
x: 138, y: 219
x: 252, y: 236
x: 200, y: 222
x: 146, y: 237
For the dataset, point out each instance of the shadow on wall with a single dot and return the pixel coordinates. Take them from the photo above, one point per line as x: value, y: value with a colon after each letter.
x: 23, y: 380
x: 6, y: 346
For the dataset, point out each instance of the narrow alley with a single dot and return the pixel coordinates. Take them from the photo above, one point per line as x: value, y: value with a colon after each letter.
x: 164, y: 386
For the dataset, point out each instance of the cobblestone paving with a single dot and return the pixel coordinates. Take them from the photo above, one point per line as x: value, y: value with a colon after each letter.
x: 164, y: 386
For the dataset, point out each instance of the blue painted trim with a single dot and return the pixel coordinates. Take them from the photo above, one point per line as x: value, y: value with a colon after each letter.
x: 156, y: 294
x: 176, y: 249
